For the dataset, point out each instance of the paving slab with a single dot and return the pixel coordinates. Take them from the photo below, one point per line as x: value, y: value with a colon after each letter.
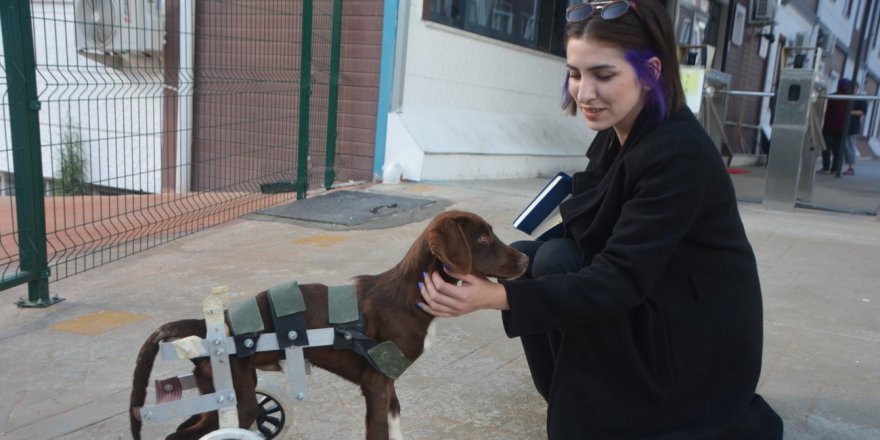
x: 341, y: 210
x: 66, y: 369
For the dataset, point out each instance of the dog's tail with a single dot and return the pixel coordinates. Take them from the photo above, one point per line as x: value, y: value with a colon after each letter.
x: 144, y: 365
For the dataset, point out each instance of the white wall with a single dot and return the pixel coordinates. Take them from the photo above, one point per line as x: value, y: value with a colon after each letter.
x: 474, y: 107
x: 118, y: 112
x: 789, y: 23
x: 872, y: 63
x: 831, y: 14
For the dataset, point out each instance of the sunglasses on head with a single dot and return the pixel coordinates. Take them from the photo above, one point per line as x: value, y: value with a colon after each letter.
x: 607, y: 10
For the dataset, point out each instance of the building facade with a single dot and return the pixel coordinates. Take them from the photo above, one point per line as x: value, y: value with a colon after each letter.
x: 477, y: 83
x: 841, y: 28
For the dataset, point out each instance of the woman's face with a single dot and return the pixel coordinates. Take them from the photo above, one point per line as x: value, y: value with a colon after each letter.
x: 604, y: 85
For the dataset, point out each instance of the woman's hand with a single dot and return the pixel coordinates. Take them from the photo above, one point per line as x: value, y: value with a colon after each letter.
x: 472, y: 293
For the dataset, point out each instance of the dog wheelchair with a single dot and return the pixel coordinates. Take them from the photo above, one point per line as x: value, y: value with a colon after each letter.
x: 247, y: 339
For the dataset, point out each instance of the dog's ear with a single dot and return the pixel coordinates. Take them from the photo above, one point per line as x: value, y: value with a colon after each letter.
x: 449, y: 244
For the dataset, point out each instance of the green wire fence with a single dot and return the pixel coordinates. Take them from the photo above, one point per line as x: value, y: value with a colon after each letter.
x: 127, y: 124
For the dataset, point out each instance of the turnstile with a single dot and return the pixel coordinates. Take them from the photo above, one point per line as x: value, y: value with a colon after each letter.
x: 705, y: 89
x: 797, y: 137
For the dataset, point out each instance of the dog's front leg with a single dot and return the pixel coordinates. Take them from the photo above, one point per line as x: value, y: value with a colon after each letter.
x: 394, y: 416
x: 245, y: 385
x: 378, y: 392
x: 198, y: 425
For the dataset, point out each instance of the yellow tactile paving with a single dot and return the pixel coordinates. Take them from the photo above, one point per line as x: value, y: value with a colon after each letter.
x: 322, y: 240
x: 95, y: 323
x: 421, y: 188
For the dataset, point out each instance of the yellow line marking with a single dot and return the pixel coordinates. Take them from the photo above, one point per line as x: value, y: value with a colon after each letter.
x: 94, y: 324
x: 322, y: 240
x: 421, y: 188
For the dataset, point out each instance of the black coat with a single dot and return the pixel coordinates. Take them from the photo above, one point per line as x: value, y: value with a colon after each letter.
x: 662, y: 328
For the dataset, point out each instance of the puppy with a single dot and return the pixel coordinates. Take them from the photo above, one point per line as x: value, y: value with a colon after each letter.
x: 463, y: 241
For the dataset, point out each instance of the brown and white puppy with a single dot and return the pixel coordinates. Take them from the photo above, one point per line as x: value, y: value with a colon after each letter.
x: 462, y: 241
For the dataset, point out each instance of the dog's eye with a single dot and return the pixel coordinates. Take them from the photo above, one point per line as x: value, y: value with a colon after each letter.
x: 484, y: 239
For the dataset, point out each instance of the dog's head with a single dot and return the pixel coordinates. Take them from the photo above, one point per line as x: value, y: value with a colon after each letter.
x: 465, y: 243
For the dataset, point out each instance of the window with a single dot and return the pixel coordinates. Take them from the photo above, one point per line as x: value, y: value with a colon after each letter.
x: 714, y: 24
x: 537, y: 24
x: 685, y: 30
x: 848, y: 8
x: 875, y: 31
x: 739, y: 24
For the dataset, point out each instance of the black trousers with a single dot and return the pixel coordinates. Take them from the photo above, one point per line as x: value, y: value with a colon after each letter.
x: 831, y: 155
x: 556, y: 256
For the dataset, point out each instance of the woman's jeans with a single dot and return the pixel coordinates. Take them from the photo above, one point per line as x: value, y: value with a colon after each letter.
x: 849, y: 150
x: 556, y: 256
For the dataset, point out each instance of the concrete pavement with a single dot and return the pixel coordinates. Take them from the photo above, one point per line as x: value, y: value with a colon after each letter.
x: 858, y: 194
x: 66, y: 370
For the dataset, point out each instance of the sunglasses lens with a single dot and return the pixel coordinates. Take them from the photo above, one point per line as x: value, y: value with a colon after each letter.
x: 615, y: 10
x: 579, y: 12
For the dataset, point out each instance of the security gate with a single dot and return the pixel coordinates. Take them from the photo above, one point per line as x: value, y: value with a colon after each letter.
x: 797, y: 135
x: 132, y: 123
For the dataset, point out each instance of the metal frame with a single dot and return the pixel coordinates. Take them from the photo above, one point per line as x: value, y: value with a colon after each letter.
x: 37, y: 251
x: 796, y: 132
x: 305, y: 93
x: 333, y: 96
x: 24, y: 123
x: 714, y: 84
x: 219, y: 346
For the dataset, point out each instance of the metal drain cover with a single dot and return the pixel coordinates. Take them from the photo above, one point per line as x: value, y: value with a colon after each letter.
x: 356, y: 210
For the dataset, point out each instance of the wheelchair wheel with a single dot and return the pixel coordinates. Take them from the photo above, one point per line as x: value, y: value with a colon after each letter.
x: 232, y: 434
x: 274, y: 413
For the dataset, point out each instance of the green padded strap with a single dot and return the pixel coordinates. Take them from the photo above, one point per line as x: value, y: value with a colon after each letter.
x: 342, y: 304
x: 244, y: 316
x: 287, y: 299
x: 388, y: 358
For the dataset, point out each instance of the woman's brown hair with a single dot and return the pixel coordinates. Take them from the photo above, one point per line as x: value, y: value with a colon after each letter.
x: 645, y: 31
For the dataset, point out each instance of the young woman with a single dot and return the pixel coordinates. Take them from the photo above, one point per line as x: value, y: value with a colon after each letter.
x: 859, y: 109
x: 645, y: 320
x: 832, y: 128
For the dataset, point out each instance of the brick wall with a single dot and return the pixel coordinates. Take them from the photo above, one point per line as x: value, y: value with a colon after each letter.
x: 359, y: 89
x: 247, y: 90
x: 747, y: 70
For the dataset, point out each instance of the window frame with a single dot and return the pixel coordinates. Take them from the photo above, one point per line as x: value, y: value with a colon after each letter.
x: 548, y: 21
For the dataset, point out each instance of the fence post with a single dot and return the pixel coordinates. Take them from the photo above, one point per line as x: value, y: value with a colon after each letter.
x: 305, y: 92
x: 24, y: 123
x: 335, y: 44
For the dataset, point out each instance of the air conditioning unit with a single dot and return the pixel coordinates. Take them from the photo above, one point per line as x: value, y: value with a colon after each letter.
x: 762, y: 11
x: 826, y: 40
x: 114, y: 27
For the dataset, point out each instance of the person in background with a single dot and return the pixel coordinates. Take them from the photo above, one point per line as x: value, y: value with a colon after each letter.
x: 832, y: 128
x: 645, y: 320
x: 859, y: 109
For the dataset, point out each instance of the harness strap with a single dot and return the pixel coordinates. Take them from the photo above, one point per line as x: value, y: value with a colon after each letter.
x: 287, y: 299
x: 288, y: 315
x: 244, y: 316
x: 351, y: 337
x: 388, y: 359
x: 385, y: 357
x: 246, y: 323
x: 342, y: 304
